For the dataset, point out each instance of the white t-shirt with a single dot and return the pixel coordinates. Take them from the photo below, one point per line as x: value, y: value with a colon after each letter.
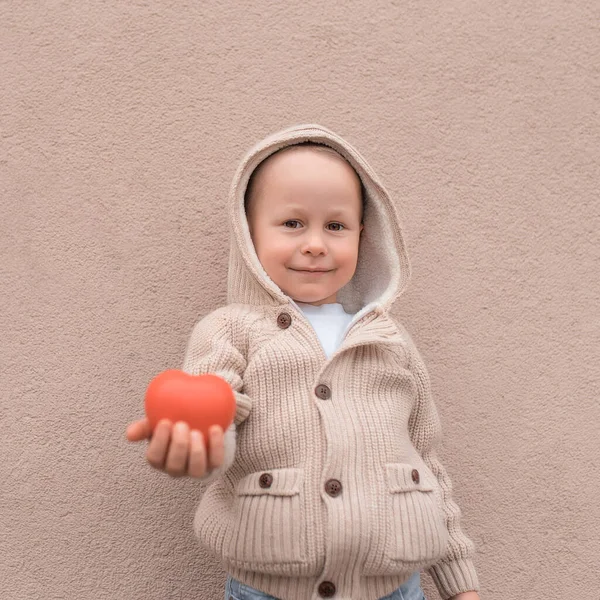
x: 329, y: 321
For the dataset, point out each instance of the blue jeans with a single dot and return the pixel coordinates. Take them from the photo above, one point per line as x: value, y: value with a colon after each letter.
x: 409, y: 590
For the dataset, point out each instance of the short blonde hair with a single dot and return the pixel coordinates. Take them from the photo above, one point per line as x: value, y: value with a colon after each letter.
x: 249, y: 193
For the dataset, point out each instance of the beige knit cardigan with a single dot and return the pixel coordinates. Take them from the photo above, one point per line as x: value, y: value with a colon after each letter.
x: 331, y: 487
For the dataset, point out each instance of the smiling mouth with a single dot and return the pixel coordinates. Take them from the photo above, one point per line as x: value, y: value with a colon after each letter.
x: 312, y: 272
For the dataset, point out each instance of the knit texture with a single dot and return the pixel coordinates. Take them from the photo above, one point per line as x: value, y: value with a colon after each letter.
x: 331, y: 472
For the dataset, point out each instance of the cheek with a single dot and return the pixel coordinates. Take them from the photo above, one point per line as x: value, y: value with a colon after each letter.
x: 349, y: 254
x: 274, y: 250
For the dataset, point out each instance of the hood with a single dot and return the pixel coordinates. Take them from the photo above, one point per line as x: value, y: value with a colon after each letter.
x: 383, y: 268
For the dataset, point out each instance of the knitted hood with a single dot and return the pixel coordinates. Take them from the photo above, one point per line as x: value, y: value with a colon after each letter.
x: 383, y: 268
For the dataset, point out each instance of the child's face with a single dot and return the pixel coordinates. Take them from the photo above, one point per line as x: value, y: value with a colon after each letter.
x: 305, y: 213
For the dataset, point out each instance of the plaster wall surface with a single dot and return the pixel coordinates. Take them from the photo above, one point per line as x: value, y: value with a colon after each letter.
x: 121, y: 126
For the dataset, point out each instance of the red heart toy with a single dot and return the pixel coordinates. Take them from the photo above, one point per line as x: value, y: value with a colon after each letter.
x: 199, y: 400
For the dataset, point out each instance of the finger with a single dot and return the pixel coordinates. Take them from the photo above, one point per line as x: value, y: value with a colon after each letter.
x: 139, y: 430
x: 216, y: 452
x: 197, y: 461
x: 176, y: 464
x: 157, y: 448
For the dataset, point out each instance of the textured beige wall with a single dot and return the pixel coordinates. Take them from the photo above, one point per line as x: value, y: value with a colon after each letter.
x: 121, y: 126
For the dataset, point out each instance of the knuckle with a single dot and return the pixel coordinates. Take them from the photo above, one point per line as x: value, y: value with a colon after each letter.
x: 179, y: 445
x: 196, y: 471
x: 197, y: 466
x: 198, y: 460
x: 215, y: 459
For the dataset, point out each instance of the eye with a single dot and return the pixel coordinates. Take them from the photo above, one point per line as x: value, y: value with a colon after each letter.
x: 341, y: 226
x: 292, y: 221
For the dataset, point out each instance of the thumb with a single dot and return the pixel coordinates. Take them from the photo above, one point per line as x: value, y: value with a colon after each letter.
x: 139, y: 430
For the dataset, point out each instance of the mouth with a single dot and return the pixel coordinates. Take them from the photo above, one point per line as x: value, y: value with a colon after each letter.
x: 313, y: 271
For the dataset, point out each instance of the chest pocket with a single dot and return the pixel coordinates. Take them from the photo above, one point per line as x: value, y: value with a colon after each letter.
x: 268, y: 519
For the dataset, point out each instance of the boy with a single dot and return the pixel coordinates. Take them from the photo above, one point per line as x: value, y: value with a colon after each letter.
x: 327, y: 484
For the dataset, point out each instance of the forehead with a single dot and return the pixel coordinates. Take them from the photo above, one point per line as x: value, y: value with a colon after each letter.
x: 298, y: 171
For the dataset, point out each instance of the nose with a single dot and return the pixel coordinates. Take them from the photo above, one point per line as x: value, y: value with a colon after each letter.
x: 313, y: 243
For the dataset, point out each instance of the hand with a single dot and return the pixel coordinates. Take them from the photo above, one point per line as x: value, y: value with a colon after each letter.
x: 176, y: 451
x: 466, y: 596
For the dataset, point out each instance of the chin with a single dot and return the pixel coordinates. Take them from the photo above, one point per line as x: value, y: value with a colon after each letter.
x: 312, y: 298
x: 300, y: 297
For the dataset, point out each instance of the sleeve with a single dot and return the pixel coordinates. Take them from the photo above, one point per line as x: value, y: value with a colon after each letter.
x: 213, y: 349
x: 455, y: 572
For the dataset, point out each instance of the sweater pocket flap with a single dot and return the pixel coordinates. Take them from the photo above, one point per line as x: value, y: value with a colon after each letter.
x: 403, y: 477
x: 275, y: 482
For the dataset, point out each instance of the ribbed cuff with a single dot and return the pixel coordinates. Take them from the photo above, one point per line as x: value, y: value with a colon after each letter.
x: 454, y: 577
x: 243, y: 407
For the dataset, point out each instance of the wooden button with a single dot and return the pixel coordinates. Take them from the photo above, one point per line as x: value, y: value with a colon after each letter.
x: 265, y: 480
x: 415, y: 476
x: 323, y: 392
x: 326, y: 589
x: 284, y: 320
x: 333, y: 487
